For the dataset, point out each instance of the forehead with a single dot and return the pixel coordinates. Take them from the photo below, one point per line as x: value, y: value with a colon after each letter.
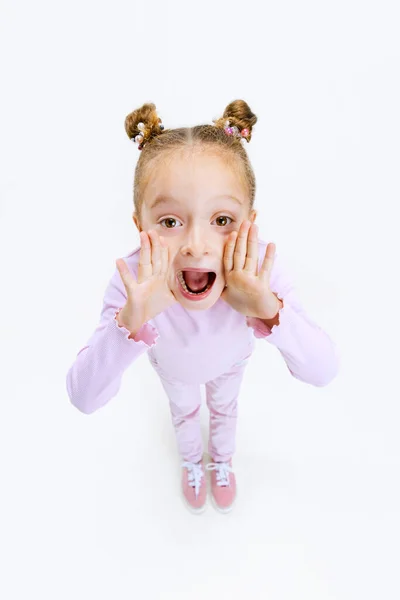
x: 194, y: 174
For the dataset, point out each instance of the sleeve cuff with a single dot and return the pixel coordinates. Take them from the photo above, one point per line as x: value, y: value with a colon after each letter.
x: 260, y: 329
x: 147, y: 333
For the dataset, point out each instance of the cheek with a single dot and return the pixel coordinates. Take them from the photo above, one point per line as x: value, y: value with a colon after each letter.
x: 171, y: 239
x: 172, y: 245
x: 224, y: 240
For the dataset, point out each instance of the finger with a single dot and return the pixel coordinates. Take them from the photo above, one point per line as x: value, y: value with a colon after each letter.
x: 145, y: 268
x: 228, y: 251
x: 266, y: 267
x: 128, y: 279
x: 239, y: 255
x: 164, y: 257
x: 252, y: 250
x: 155, y: 251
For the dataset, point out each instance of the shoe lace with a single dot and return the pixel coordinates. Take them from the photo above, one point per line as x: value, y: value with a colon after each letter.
x: 223, y: 469
x: 195, y: 473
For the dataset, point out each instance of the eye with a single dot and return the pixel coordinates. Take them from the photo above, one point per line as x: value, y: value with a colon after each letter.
x: 169, y: 219
x: 224, y: 217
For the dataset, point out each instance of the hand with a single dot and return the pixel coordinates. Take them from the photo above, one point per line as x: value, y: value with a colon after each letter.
x: 248, y: 291
x: 150, y: 294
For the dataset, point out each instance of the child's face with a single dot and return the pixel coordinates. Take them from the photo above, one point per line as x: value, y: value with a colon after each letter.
x: 195, y: 220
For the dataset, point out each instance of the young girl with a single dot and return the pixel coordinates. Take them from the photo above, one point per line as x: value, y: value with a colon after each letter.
x: 196, y: 292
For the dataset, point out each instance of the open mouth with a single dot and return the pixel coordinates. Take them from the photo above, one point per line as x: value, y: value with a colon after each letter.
x: 196, y: 284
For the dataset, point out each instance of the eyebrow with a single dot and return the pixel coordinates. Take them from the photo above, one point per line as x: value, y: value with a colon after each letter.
x: 163, y: 199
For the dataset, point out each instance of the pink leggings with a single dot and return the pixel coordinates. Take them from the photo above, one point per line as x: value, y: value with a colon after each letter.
x: 185, y: 402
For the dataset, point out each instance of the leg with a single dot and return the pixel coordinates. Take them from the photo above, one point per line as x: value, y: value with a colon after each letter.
x: 222, y: 394
x: 185, y: 403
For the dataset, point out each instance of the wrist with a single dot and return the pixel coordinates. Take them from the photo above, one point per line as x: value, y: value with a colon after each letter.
x: 122, y: 321
x: 271, y: 317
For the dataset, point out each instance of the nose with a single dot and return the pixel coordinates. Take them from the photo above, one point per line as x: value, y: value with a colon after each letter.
x: 195, y: 243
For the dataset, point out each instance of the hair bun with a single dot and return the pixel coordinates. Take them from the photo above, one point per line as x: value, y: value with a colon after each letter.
x: 240, y: 116
x: 143, y: 124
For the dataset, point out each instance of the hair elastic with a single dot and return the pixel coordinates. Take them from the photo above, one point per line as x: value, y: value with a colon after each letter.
x: 234, y: 131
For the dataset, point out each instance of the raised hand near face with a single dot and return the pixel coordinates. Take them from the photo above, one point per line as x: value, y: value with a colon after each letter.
x: 247, y: 290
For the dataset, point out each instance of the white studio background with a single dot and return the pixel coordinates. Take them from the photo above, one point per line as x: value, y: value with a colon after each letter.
x: 90, y: 505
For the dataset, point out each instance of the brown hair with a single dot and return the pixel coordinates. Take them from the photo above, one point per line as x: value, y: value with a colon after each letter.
x: 158, y: 142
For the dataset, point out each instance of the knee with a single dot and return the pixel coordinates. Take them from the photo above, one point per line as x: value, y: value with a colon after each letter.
x: 228, y: 410
x: 181, y: 415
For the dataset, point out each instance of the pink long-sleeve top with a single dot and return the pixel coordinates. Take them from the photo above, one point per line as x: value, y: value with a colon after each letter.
x: 196, y: 346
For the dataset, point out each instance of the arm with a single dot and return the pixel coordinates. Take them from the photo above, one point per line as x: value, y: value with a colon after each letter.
x: 310, y: 354
x: 96, y: 374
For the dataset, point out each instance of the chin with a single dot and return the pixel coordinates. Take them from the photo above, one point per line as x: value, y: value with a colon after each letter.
x: 198, y: 306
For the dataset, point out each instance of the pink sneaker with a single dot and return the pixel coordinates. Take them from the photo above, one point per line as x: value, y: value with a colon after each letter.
x: 223, y: 485
x: 194, y: 486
